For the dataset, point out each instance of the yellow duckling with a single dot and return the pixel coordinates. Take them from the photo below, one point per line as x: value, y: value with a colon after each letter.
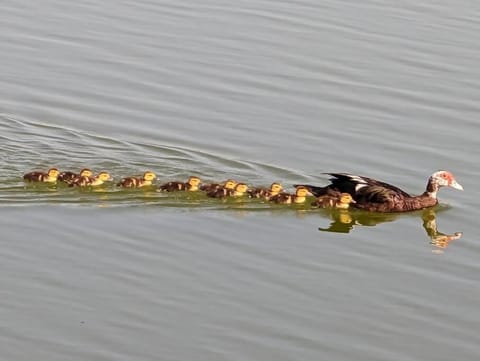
x: 50, y: 177
x: 70, y: 176
x: 334, y: 200
x: 275, y: 188
x: 299, y: 197
x: 84, y: 181
x: 229, y: 190
x: 229, y: 183
x: 134, y: 182
x: 191, y: 185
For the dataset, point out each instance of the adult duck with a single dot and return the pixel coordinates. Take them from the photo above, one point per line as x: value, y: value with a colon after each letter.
x: 376, y: 196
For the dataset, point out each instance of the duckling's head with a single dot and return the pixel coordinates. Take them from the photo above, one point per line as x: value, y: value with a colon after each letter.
x: 302, y: 192
x: 149, y: 176
x: 194, y: 181
x: 230, y: 184
x: 86, y: 173
x: 241, y: 188
x: 53, y: 172
x: 346, y: 198
x: 104, y: 176
x: 276, y: 187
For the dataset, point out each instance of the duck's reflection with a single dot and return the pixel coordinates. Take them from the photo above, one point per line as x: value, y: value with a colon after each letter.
x: 343, y: 221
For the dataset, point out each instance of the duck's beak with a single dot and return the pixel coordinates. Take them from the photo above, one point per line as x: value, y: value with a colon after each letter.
x: 456, y: 185
x: 353, y: 201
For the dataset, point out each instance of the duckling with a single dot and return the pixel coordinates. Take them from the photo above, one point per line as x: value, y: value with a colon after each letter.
x: 275, y: 188
x: 286, y: 198
x: 191, y: 185
x: 237, y: 191
x: 70, y: 176
x: 51, y: 176
x: 85, y: 181
x: 134, y: 182
x: 334, y: 200
x: 229, y: 183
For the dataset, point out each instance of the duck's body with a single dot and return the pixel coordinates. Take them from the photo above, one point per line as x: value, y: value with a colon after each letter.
x: 299, y: 197
x: 86, y: 181
x: 50, y: 176
x: 68, y: 176
x: 237, y: 191
x: 266, y: 193
x: 191, y: 185
x: 136, y: 182
x: 334, y: 200
x: 376, y: 196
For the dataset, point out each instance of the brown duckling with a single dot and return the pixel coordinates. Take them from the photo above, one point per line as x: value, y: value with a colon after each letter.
x: 135, y: 182
x: 84, y: 181
x: 237, y: 191
x: 191, y: 185
x: 50, y: 177
x: 299, y: 197
x: 334, y: 200
x: 229, y: 183
x: 70, y: 176
x: 275, y: 188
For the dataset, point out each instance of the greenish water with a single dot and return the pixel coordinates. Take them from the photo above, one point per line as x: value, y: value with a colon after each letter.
x: 260, y: 92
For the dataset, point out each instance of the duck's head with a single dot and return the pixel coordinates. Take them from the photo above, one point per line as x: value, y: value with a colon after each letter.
x: 229, y: 184
x: 86, y: 173
x: 302, y: 192
x: 104, y: 176
x: 53, y: 172
x: 241, y: 188
x: 194, y: 181
x: 149, y: 176
x: 276, y: 188
x: 346, y: 198
x: 444, y: 178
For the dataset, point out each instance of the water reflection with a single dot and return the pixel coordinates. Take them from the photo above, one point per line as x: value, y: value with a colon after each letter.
x: 343, y: 221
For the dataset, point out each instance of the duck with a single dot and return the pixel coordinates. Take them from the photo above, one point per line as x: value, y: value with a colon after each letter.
x: 299, y: 197
x: 50, y: 176
x: 334, y: 200
x: 267, y: 193
x: 229, y: 183
x: 135, y: 182
x: 70, y: 176
x: 191, y: 185
x: 89, y: 181
x: 237, y: 191
x: 377, y: 196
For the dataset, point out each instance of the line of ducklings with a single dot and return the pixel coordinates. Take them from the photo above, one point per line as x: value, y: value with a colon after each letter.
x: 229, y: 188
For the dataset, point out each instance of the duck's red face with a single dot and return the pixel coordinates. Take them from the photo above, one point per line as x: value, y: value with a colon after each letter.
x: 446, y: 179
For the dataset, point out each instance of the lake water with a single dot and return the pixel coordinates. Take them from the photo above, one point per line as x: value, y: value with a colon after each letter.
x: 259, y: 91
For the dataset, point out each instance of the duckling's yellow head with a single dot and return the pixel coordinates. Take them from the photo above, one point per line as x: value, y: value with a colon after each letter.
x: 194, y: 181
x: 302, y: 192
x: 53, y: 172
x: 104, y: 176
x: 230, y: 184
x: 346, y: 198
x: 276, y: 187
x: 149, y: 176
x: 241, y: 188
x: 86, y: 172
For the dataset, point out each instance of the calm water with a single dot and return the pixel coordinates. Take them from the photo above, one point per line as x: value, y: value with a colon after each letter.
x: 258, y: 91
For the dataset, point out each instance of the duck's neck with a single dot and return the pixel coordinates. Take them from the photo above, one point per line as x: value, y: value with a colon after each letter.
x: 299, y: 199
x: 146, y: 182
x: 431, y: 190
x: 341, y: 205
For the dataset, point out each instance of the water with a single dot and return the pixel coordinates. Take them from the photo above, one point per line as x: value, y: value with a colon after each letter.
x: 261, y: 92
